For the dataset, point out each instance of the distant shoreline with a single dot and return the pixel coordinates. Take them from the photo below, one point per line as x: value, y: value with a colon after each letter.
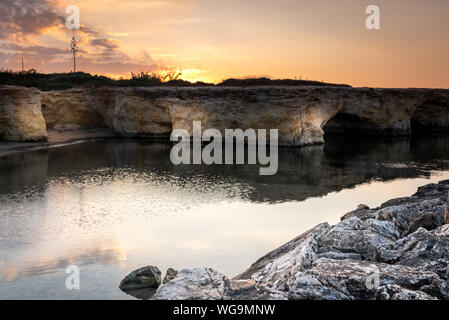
x: 56, y: 138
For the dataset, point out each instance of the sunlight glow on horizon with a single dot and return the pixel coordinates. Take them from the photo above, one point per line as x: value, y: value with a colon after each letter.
x: 214, y: 40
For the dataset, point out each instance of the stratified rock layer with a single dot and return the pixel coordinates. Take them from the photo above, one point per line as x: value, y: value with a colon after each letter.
x: 20, y: 115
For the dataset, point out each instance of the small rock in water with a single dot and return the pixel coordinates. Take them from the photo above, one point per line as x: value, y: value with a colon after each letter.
x: 171, y: 273
x: 146, y: 277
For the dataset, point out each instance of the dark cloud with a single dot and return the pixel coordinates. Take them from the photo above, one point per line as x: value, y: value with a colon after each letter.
x: 20, y: 18
x: 104, y: 43
x: 40, y: 50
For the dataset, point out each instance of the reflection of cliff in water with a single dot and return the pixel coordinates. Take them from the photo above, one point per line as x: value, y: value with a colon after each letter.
x: 303, y: 172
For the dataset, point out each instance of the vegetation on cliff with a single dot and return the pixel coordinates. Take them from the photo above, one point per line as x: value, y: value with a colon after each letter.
x: 62, y: 81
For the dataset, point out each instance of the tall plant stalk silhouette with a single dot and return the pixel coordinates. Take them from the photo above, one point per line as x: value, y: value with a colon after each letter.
x: 74, y: 49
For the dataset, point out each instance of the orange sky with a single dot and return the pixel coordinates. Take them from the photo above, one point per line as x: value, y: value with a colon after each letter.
x: 212, y: 40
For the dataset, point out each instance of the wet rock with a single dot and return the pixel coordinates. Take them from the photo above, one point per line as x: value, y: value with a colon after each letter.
x: 427, y: 250
x: 146, y: 277
x: 170, y: 274
x: 277, y: 266
x: 208, y: 284
x: 354, y: 235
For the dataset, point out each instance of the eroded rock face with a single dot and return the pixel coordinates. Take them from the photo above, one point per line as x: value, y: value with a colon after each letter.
x: 301, y: 114
x: 20, y: 115
x: 70, y: 109
x: 427, y: 250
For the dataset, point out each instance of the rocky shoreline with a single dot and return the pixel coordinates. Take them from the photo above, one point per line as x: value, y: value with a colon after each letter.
x: 398, y: 251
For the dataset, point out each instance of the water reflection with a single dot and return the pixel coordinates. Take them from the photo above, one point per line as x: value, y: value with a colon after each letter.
x: 116, y: 205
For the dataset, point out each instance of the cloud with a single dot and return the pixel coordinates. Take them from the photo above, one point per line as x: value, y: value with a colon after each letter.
x: 21, y: 18
x: 21, y: 21
x: 104, y: 43
x: 38, y: 50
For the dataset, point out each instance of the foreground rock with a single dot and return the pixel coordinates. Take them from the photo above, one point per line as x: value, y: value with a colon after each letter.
x: 301, y: 114
x: 20, y: 115
x: 146, y: 277
x: 370, y: 254
x: 208, y: 284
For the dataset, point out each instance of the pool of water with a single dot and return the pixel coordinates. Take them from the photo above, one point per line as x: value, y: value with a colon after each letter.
x: 112, y: 206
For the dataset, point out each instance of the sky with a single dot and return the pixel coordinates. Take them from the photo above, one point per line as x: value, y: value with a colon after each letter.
x: 211, y: 40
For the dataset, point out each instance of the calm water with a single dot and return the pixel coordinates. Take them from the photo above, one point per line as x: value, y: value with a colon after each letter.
x: 113, y: 206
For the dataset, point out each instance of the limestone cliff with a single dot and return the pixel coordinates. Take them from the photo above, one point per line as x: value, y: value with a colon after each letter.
x: 301, y: 114
x: 20, y: 114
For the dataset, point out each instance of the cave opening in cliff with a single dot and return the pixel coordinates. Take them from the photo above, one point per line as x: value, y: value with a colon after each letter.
x: 430, y: 118
x: 343, y: 124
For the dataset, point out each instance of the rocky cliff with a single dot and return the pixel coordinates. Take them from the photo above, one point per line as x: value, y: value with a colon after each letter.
x: 301, y: 114
x: 20, y: 115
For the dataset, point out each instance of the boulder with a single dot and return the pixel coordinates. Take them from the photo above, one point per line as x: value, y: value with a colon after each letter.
x: 169, y: 275
x: 146, y: 277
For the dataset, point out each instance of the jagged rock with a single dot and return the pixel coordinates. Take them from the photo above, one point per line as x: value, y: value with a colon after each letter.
x: 277, y: 266
x: 146, y: 277
x: 428, y: 250
x: 20, y: 114
x: 362, y: 279
x: 307, y: 287
x: 332, y: 262
x: 208, y: 284
x: 428, y: 221
x: 170, y: 274
x: 426, y: 208
x: 394, y: 292
x: 360, y: 236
